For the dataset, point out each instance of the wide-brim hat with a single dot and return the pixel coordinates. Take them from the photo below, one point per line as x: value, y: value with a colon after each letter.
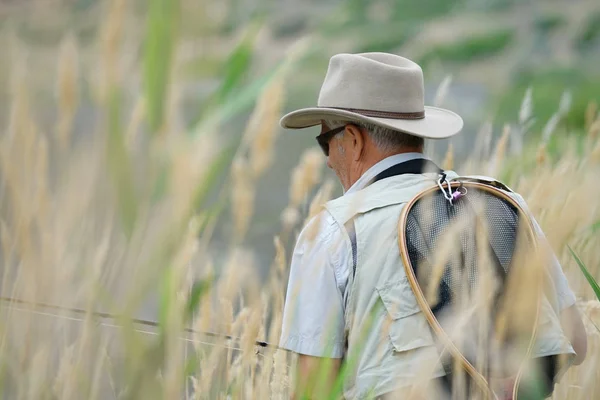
x: 378, y: 88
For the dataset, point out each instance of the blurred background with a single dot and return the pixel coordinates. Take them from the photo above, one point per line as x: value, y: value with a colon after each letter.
x: 140, y: 151
x: 480, y: 58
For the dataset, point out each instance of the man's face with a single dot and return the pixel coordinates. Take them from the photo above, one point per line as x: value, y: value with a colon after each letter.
x: 337, y: 159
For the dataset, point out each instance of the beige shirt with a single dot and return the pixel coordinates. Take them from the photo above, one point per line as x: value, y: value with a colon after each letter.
x: 313, y: 321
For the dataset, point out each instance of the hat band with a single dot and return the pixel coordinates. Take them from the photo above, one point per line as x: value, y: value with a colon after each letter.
x: 383, y: 114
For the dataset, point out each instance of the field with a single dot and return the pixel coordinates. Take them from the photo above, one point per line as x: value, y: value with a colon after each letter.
x: 143, y: 173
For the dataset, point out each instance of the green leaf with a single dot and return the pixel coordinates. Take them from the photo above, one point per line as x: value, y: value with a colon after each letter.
x: 237, y: 65
x: 142, y: 380
x: 234, y: 70
x: 119, y: 164
x: 202, y: 67
x: 586, y: 273
x: 349, y: 366
x: 243, y: 100
x: 595, y: 227
x: 166, y: 299
x: 191, y: 366
x: 199, y: 289
x: 212, y: 176
x: 158, y: 55
x: 161, y: 182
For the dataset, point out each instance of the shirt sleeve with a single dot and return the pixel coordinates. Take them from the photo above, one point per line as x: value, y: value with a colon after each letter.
x: 313, y: 316
x: 566, y: 296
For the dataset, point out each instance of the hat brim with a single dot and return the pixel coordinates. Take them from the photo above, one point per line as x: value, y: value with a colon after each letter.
x: 438, y: 123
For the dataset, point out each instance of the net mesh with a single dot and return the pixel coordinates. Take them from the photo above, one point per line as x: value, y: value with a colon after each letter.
x: 462, y: 255
x: 433, y: 219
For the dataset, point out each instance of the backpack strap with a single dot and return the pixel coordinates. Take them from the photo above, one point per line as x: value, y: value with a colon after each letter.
x: 352, y: 234
x: 415, y: 166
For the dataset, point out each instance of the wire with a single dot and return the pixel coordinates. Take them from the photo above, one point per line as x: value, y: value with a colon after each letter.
x: 112, y: 316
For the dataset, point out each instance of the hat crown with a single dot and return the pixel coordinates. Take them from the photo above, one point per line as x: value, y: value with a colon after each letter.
x: 377, y: 88
x: 373, y: 81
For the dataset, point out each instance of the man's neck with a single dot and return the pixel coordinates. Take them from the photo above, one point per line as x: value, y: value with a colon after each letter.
x: 362, y: 167
x: 377, y: 157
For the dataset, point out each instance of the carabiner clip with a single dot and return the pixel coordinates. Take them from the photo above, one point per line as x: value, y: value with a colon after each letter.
x: 448, y: 195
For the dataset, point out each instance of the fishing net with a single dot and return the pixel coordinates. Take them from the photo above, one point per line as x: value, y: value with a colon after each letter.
x: 468, y: 251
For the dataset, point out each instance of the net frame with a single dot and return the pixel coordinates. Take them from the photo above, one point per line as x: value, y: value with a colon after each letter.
x: 496, y: 189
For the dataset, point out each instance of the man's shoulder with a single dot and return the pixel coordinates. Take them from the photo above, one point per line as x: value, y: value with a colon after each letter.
x: 392, y: 190
x: 322, y: 237
x: 320, y: 226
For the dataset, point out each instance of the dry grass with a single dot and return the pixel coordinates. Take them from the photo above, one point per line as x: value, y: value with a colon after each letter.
x: 91, y: 223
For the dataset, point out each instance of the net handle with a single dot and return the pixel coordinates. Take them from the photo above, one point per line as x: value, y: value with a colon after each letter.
x: 420, y: 297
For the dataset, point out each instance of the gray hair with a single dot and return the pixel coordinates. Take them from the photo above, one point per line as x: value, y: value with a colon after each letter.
x: 386, y: 140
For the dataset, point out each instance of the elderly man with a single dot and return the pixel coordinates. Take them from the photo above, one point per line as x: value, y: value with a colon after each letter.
x: 373, y: 125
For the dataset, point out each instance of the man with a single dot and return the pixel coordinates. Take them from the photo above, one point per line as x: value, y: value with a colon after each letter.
x: 372, y: 117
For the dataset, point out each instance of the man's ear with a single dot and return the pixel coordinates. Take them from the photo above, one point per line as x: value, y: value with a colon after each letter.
x: 355, y: 134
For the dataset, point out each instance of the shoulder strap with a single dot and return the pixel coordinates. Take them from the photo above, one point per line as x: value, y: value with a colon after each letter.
x: 415, y: 166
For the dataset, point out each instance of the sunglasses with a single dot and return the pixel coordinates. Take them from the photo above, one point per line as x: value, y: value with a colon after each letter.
x: 324, y: 138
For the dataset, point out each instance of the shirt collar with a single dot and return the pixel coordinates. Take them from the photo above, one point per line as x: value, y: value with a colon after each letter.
x: 381, y: 166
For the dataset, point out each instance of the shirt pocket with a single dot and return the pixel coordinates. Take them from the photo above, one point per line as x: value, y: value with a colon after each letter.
x: 408, y: 327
